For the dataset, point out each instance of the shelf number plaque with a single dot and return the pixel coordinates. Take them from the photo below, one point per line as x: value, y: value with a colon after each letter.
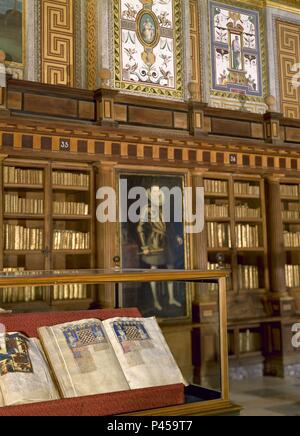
x: 64, y: 145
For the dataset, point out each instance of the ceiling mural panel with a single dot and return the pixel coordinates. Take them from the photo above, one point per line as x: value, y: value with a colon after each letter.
x: 148, y: 46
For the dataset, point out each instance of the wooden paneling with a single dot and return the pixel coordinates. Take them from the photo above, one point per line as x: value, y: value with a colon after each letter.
x: 150, y: 117
x: 50, y: 105
x: 232, y: 128
x: 58, y: 36
x: 289, y: 54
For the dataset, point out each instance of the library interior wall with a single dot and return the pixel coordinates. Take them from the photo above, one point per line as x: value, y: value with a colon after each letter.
x: 89, y: 48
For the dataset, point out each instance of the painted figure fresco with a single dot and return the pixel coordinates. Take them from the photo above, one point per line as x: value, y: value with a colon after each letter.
x: 149, y: 49
x: 235, y: 49
x: 154, y: 244
x: 11, y: 19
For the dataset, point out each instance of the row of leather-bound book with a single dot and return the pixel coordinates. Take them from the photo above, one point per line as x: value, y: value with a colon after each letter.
x: 245, y: 188
x: 20, y: 176
x: 30, y: 293
x: 13, y: 175
x: 291, y: 239
x: 247, y: 236
x: 19, y: 295
x: 70, y: 240
x: 218, y: 235
x: 16, y: 204
x: 215, y: 186
x: 289, y: 190
x: 221, y: 210
x: 23, y: 238
x: 292, y: 276
x: 70, y: 208
x: 248, y: 276
x: 62, y: 178
x: 240, y: 188
x: 20, y: 238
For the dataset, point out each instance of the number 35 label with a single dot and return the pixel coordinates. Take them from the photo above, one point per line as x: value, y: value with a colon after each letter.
x: 64, y: 145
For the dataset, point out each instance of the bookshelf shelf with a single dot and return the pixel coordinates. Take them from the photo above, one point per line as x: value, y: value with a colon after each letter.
x: 251, y: 250
x: 21, y: 252
x: 286, y: 198
x: 71, y: 217
x: 21, y: 187
x: 215, y: 195
x: 219, y: 250
x: 244, y: 199
x: 218, y: 220
x: 72, y: 252
x: 70, y: 188
x: 249, y: 220
x: 25, y: 217
x: 247, y: 197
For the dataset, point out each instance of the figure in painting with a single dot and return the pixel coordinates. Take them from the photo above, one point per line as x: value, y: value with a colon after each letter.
x: 159, y: 243
x: 236, y: 53
x: 148, y: 31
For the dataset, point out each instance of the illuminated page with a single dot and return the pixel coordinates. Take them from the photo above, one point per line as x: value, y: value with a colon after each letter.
x: 143, y: 353
x: 82, y: 359
x: 24, y: 372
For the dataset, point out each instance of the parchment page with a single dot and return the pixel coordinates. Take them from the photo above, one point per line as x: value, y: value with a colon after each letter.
x: 82, y: 359
x: 24, y: 373
x: 143, y: 353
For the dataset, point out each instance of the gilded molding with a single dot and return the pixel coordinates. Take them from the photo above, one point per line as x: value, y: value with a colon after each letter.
x: 58, y: 42
x: 195, y: 39
x: 91, y: 44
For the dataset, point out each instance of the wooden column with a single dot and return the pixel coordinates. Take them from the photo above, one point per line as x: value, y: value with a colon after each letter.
x: 199, y: 240
x: 281, y: 303
x: 106, y: 235
x: 206, y: 369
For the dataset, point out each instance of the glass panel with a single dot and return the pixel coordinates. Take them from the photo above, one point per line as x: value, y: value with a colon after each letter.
x: 195, y: 345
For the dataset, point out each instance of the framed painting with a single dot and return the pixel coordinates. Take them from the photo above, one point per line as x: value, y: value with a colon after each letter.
x: 12, y: 13
x: 148, y: 243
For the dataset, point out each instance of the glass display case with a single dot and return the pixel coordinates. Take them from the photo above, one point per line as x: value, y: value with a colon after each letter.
x: 205, y: 395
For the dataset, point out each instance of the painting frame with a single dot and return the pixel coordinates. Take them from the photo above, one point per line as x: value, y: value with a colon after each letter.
x: 14, y: 64
x: 185, y: 181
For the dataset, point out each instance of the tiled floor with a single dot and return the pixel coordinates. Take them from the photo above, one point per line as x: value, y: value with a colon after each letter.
x: 267, y: 397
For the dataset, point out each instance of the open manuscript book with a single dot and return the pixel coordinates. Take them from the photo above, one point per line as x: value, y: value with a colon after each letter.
x: 82, y: 358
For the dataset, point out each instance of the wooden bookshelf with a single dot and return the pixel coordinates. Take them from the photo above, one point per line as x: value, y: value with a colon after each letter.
x: 241, y: 207
x: 238, y: 209
x: 48, y: 207
x: 290, y: 212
